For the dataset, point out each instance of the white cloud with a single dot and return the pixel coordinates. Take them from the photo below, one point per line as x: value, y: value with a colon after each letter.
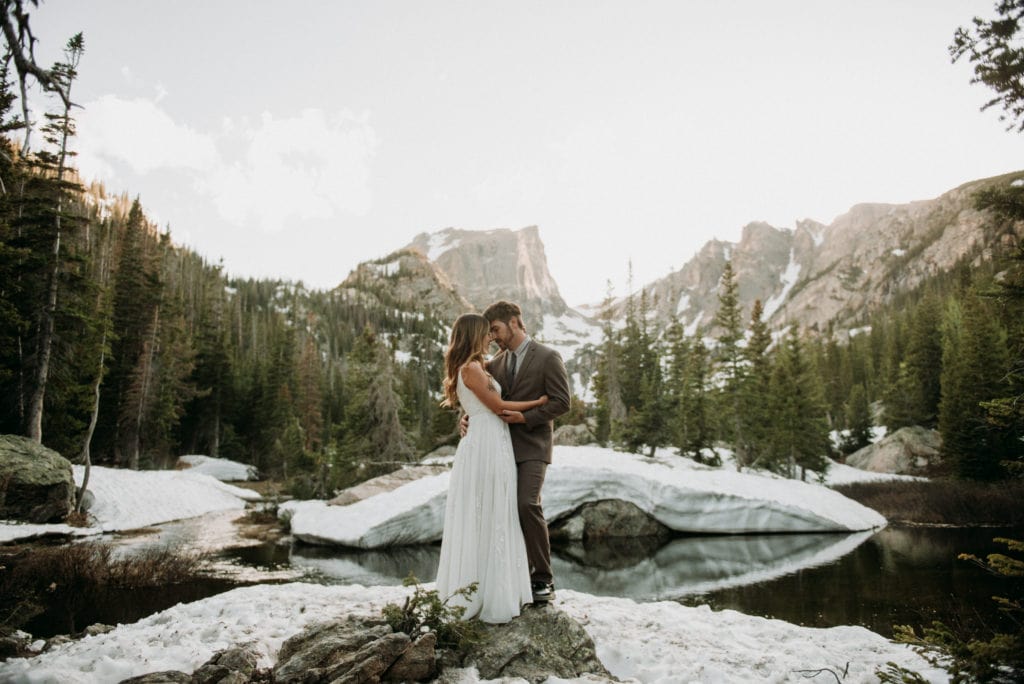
x: 266, y: 174
x: 312, y: 166
x: 138, y: 133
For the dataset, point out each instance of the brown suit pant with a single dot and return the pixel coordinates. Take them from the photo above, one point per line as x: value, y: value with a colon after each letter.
x: 531, y: 519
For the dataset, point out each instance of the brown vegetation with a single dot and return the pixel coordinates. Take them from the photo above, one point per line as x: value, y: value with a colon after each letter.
x: 66, y: 579
x: 943, y: 502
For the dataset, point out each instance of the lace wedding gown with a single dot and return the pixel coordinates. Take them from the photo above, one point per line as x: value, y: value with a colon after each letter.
x: 482, y: 539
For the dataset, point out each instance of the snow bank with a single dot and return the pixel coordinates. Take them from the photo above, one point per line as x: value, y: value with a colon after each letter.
x: 130, y: 499
x: 637, y: 642
x: 220, y: 468
x: 679, y: 493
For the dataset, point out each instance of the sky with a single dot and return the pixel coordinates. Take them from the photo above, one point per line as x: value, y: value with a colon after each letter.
x: 296, y: 140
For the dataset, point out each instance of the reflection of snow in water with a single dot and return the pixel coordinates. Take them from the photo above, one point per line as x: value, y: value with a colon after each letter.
x: 208, y: 533
x: 692, y: 565
x: 697, y: 565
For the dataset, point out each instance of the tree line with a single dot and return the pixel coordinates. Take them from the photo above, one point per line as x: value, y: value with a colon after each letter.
x: 947, y: 356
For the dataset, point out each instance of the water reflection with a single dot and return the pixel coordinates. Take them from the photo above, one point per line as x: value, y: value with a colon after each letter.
x: 631, y: 568
x: 900, y: 576
x: 696, y: 564
x: 370, y: 568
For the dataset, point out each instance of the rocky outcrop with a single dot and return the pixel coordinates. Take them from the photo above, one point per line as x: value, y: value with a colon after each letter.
x: 36, y: 484
x: 609, y: 519
x: 362, y: 649
x: 573, y: 435
x: 540, y: 643
x: 355, y: 649
x: 405, y: 280
x: 908, y: 451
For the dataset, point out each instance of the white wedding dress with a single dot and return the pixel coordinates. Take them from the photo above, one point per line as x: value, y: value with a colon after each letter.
x: 482, y: 540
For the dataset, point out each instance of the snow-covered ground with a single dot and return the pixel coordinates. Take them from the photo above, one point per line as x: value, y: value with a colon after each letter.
x: 220, y: 468
x: 680, y: 493
x: 130, y: 499
x: 638, y: 642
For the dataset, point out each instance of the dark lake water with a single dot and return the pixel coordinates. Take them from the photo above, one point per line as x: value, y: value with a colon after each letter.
x: 898, y: 575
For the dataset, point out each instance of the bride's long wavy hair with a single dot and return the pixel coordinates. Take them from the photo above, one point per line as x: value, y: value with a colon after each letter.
x: 469, y: 342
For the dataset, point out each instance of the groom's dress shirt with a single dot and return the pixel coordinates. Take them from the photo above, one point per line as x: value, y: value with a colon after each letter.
x: 517, y: 354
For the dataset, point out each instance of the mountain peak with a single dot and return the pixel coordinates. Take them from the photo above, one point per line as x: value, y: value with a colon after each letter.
x: 501, y: 263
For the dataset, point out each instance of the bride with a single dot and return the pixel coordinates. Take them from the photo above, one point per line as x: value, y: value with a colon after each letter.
x: 482, y: 540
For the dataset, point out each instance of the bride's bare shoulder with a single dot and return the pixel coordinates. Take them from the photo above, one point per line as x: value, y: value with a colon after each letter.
x: 473, y: 369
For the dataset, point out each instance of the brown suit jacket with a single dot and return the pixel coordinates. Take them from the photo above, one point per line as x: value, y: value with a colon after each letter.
x: 540, y: 372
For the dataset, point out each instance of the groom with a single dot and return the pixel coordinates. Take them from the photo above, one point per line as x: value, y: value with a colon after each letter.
x: 526, y: 370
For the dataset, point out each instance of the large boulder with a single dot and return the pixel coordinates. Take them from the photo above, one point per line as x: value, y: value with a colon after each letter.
x: 907, y: 451
x: 354, y: 649
x: 608, y: 519
x: 573, y: 435
x: 36, y: 484
x: 540, y: 643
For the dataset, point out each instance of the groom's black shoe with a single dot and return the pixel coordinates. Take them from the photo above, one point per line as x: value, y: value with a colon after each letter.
x: 543, y: 592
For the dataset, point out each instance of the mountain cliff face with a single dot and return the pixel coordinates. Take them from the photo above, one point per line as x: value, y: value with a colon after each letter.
x: 405, y: 280
x: 489, y: 265
x: 813, y: 274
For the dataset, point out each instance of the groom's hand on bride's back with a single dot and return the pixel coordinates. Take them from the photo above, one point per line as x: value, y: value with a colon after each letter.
x: 463, y: 425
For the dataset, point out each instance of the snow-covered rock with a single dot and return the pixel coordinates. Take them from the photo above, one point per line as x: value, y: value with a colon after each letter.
x: 130, y: 499
x: 907, y: 451
x: 221, y: 468
x: 637, y: 642
x: 675, y: 491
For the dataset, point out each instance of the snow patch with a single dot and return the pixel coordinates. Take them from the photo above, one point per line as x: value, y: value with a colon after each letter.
x: 788, y: 280
x: 684, y: 303
x: 220, y: 468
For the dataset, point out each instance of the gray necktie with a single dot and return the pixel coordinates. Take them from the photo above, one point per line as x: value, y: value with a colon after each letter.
x: 512, y: 366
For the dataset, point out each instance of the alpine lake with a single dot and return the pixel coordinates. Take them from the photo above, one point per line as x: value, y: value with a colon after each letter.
x: 897, y: 575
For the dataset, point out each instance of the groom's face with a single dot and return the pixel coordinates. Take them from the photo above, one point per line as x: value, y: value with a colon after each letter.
x: 501, y: 333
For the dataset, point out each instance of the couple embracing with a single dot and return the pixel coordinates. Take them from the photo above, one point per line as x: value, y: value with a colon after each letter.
x: 494, y: 529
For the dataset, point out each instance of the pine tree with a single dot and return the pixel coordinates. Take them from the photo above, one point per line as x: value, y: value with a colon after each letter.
x: 755, y: 400
x: 609, y: 409
x: 800, y: 438
x: 858, y: 421
x: 974, y: 362
x: 729, y: 356
x: 373, y: 439
x: 136, y: 296
x: 52, y: 171
x: 693, y: 431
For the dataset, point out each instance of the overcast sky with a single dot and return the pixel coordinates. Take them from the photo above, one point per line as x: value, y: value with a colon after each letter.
x: 297, y: 139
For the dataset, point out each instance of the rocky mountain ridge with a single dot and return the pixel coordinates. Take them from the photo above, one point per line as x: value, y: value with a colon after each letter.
x: 812, y: 274
x: 816, y: 274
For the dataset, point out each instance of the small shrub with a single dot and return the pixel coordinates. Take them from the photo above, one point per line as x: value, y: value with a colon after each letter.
x: 424, y: 611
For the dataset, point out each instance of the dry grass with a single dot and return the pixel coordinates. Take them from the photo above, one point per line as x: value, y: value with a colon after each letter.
x: 36, y: 579
x: 943, y: 502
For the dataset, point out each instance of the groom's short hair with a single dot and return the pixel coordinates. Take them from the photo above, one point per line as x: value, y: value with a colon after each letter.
x: 504, y: 311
